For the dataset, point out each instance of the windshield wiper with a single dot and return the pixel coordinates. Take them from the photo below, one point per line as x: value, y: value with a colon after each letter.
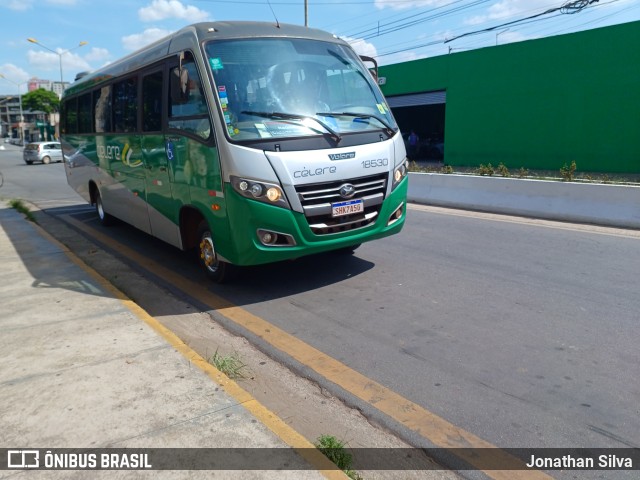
x: 387, y: 128
x: 295, y: 116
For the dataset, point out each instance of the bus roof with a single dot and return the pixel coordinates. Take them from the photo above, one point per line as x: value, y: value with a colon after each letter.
x: 190, y: 37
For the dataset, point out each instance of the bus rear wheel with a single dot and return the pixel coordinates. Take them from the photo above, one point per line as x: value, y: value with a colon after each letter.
x: 104, y: 217
x: 216, y: 269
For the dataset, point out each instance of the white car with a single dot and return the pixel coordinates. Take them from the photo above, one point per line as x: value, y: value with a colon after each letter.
x: 45, y: 152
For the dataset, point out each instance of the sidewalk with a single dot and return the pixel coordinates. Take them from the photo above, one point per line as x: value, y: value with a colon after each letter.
x: 83, y: 367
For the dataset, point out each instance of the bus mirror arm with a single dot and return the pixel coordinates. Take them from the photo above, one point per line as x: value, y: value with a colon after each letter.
x: 180, y: 85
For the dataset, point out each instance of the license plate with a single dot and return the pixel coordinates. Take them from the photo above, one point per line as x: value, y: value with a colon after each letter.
x: 347, y: 208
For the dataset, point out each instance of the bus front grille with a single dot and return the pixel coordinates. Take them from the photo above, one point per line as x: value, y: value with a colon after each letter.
x: 317, y: 200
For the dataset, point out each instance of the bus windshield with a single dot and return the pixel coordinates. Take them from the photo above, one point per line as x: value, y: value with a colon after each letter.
x: 290, y: 87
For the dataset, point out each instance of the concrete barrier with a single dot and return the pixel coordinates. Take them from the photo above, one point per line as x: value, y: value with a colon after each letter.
x: 600, y: 204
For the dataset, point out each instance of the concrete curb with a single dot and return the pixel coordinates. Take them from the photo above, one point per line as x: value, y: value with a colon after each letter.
x: 600, y: 204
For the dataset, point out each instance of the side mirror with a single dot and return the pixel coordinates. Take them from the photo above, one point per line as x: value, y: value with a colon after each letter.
x: 372, y: 70
x: 179, y: 85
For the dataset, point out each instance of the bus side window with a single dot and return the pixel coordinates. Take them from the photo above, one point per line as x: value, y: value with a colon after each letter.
x: 102, y: 109
x: 125, y: 106
x: 152, y: 102
x: 187, y: 105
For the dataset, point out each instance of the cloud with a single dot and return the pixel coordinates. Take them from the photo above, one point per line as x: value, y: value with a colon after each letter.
x: 22, y: 5
x: 13, y: 74
x: 68, y: 3
x: 163, y: 9
x: 139, y: 40
x: 72, y: 63
x: 401, y: 57
x: 362, y: 47
x: 512, y: 37
x: 18, y: 5
x: 505, y: 9
x: 97, y: 55
x: 395, y: 5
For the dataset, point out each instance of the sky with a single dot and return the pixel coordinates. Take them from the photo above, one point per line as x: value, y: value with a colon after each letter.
x: 392, y: 31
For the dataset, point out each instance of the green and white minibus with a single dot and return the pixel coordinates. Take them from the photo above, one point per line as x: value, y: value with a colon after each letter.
x: 248, y: 142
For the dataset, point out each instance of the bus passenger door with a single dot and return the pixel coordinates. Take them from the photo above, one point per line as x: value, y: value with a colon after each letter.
x: 190, y: 144
x: 162, y: 210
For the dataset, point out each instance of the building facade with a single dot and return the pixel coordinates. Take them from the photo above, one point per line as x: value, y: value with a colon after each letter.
x: 56, y: 87
x: 537, y: 104
x: 36, y: 126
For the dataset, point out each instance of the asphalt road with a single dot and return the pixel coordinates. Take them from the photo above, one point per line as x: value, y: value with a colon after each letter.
x: 524, y: 333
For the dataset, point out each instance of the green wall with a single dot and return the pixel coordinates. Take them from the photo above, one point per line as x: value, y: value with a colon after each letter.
x: 538, y: 104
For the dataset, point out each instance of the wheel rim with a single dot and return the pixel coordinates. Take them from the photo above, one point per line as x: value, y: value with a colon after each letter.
x: 99, y: 208
x: 208, y: 253
x: 46, y: 160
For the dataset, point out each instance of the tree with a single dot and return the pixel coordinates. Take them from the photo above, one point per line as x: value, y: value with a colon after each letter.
x: 42, y: 100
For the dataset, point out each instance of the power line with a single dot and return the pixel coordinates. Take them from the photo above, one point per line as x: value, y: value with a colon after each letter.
x: 412, y: 20
x: 297, y: 3
x: 568, y: 7
x: 590, y: 22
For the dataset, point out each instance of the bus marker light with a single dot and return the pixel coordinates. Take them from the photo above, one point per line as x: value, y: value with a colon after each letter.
x: 215, y: 207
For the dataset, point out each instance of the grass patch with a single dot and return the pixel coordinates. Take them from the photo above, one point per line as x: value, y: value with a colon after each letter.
x: 19, y: 205
x: 568, y: 173
x: 230, y: 365
x: 335, y: 450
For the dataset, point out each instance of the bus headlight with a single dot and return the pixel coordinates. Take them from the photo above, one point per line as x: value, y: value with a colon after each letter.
x: 399, y: 173
x: 258, y: 190
x: 274, y: 194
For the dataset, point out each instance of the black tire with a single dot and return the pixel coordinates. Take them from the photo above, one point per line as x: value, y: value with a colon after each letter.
x: 46, y: 160
x: 103, y: 216
x: 28, y: 162
x: 217, y: 270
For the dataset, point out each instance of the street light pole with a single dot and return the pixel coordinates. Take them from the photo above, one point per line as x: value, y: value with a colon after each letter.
x: 21, y: 125
x: 60, y: 54
x: 81, y: 44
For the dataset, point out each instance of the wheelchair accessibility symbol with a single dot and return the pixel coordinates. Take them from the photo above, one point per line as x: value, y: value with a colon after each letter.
x: 170, y: 151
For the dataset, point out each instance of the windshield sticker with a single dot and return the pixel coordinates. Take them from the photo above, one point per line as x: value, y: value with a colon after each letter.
x: 262, y: 130
x: 224, y: 99
x: 279, y: 129
x: 381, y: 108
x: 216, y: 64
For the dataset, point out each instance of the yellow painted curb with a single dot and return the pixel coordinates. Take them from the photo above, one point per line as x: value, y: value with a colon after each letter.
x: 288, y: 435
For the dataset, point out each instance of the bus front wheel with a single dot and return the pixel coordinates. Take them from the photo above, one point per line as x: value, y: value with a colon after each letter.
x: 216, y: 269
